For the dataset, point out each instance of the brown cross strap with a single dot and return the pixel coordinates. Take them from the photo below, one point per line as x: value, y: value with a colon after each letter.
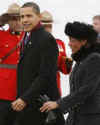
x: 8, y: 66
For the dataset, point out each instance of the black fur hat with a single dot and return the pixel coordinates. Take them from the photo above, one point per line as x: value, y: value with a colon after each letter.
x: 81, y: 31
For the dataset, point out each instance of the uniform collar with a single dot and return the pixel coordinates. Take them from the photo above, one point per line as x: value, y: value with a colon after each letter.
x: 13, y: 32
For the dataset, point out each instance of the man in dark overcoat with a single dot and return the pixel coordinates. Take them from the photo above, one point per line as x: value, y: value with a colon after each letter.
x: 36, y: 69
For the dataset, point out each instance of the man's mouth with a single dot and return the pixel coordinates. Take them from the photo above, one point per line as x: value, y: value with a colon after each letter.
x: 26, y: 25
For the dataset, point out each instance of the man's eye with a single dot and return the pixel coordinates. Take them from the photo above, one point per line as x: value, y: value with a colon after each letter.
x: 21, y: 16
x: 29, y: 15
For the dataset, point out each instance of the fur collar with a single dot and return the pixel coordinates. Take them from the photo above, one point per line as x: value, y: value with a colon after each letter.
x: 85, y: 51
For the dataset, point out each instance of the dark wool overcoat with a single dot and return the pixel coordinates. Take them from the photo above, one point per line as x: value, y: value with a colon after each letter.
x: 37, y: 76
x: 83, y: 102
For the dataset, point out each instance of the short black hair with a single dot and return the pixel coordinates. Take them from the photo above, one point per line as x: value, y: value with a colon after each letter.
x: 35, y: 7
x: 81, y: 31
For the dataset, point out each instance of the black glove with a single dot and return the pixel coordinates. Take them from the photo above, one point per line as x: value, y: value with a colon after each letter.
x: 51, y: 116
x: 69, y: 63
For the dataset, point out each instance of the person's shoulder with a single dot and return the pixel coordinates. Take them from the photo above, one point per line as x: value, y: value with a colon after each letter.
x: 93, y: 58
x: 43, y: 34
x: 48, y: 37
x: 3, y: 32
x: 59, y: 40
x: 90, y: 63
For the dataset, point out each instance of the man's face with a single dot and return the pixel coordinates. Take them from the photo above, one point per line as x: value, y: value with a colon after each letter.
x: 48, y: 27
x: 96, y: 25
x: 15, y: 24
x: 29, y: 18
x: 76, y: 44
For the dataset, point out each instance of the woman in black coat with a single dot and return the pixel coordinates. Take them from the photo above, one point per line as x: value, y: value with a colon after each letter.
x: 83, y: 102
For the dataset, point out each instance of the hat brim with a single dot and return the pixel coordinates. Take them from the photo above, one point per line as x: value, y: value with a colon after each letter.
x: 10, y: 14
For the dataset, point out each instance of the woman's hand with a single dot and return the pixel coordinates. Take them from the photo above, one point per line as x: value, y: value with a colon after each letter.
x: 50, y: 105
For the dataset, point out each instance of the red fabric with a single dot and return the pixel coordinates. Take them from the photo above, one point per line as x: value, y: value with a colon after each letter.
x: 8, y: 76
x: 61, y: 62
x: 37, y: 27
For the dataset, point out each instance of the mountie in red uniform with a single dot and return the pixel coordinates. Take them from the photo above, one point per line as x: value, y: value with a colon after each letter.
x: 7, y: 65
x: 62, y: 67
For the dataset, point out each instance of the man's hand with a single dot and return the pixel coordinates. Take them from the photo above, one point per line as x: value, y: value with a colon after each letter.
x: 18, y: 105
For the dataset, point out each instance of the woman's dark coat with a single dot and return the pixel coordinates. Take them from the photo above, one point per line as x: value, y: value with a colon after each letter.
x: 83, y: 102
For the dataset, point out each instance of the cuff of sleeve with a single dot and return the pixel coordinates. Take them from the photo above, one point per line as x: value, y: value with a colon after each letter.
x: 61, y: 107
x: 25, y: 99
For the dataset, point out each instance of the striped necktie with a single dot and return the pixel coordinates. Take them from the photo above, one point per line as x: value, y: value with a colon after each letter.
x: 26, y: 38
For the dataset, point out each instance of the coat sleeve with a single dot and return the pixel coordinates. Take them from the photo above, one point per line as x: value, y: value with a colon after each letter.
x: 47, y: 71
x: 88, y: 85
x: 62, y: 59
x: 64, y: 63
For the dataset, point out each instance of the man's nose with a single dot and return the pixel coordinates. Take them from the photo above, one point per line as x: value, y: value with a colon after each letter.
x: 24, y: 19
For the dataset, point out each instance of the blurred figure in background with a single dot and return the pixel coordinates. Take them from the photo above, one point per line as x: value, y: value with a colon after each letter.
x: 64, y: 63
x: 96, y: 25
x: 9, y: 57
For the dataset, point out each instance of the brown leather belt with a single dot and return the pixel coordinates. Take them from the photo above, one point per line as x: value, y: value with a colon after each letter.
x: 8, y: 66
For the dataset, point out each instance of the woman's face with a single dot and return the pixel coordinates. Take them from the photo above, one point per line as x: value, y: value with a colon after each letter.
x: 76, y: 44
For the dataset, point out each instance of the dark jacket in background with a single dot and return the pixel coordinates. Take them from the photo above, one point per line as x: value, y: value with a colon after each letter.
x: 98, y: 38
x: 83, y: 102
x: 37, y: 75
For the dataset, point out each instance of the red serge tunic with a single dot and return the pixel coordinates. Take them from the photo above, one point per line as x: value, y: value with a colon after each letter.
x: 61, y: 62
x: 8, y: 75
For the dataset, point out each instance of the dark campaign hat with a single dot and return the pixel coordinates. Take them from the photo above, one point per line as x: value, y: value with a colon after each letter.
x: 13, y: 12
x: 13, y: 9
x: 46, y: 18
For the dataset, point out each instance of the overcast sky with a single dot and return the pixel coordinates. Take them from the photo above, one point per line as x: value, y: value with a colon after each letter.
x: 63, y: 11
